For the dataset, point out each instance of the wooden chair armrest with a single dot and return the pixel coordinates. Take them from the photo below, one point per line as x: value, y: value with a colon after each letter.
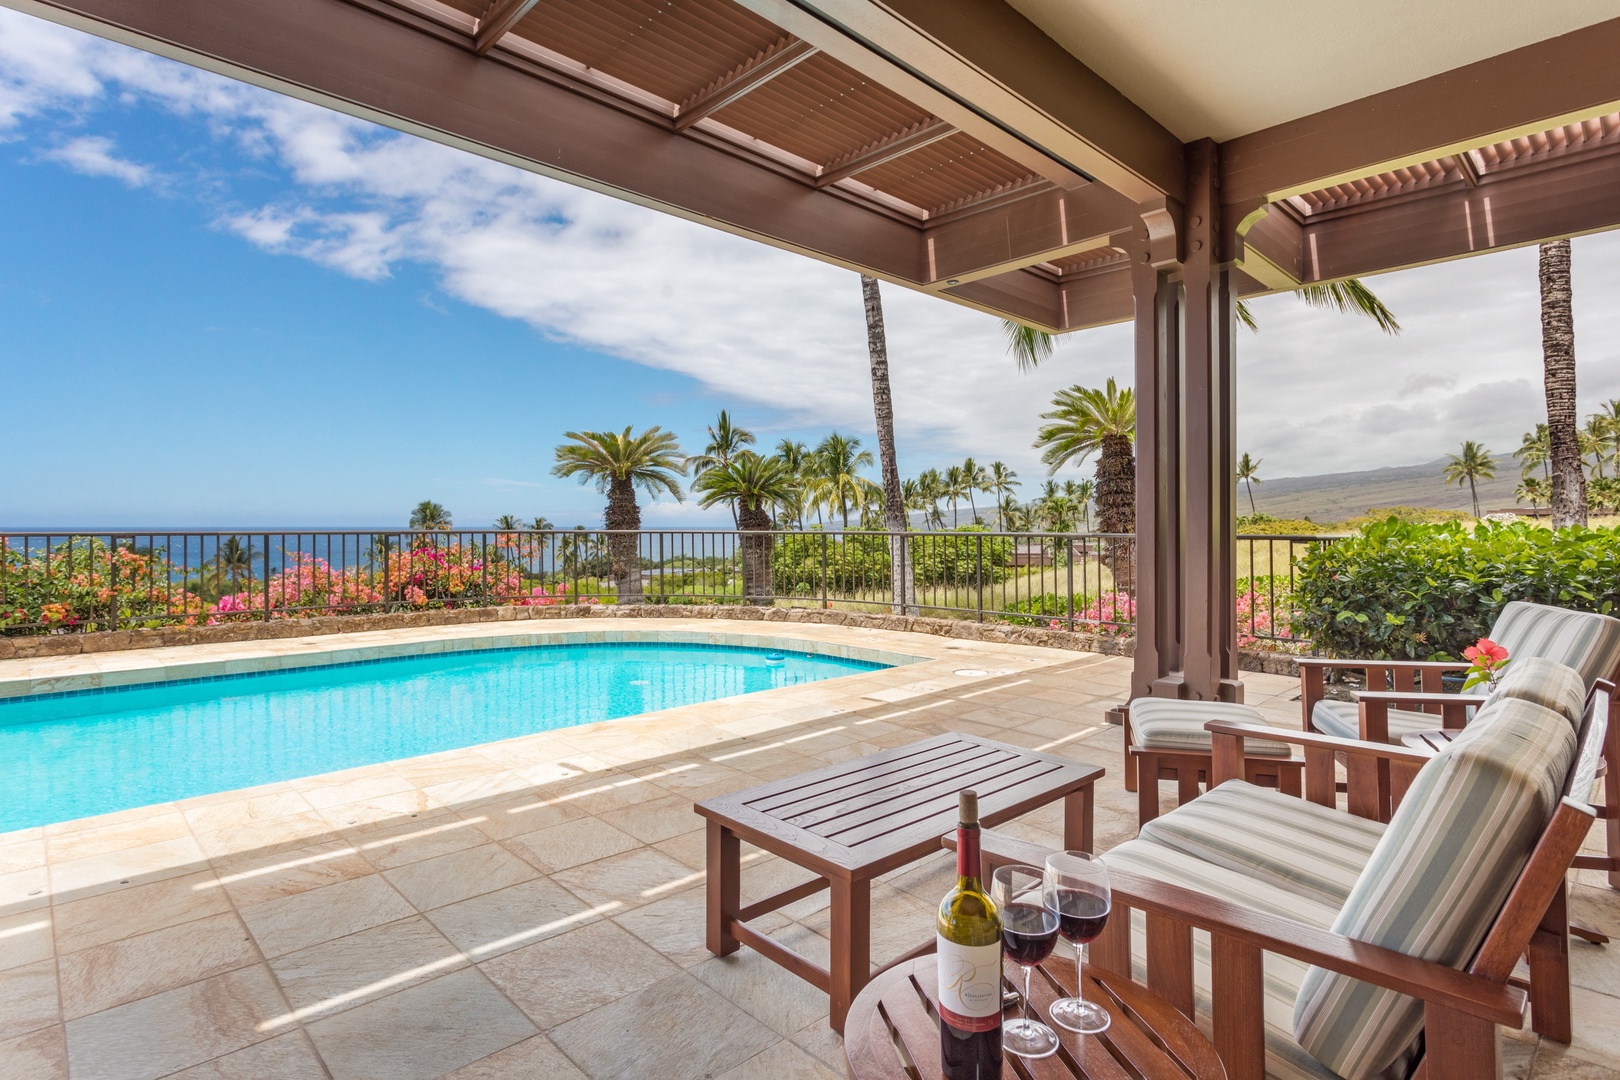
x: 1326, y: 663
x: 1403, y: 697
x: 1434, y: 983
x: 1316, y: 740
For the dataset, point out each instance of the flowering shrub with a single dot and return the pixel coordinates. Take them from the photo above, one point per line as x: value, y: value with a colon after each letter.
x: 87, y: 584
x: 1265, y: 611
x: 1109, y: 613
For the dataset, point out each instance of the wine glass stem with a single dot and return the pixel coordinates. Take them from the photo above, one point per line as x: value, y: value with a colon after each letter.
x: 1029, y: 1006
x: 1079, y: 970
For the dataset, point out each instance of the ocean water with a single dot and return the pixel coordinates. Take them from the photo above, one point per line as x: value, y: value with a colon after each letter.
x: 65, y: 756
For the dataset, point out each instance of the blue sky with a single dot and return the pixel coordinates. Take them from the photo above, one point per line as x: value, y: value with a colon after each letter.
x: 223, y: 307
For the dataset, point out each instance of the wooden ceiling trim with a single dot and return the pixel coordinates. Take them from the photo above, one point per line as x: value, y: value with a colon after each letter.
x: 782, y: 57
x: 497, y: 21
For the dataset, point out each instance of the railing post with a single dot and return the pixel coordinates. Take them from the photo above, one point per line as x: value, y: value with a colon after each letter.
x: 978, y: 572
x: 824, y: 603
x: 661, y: 568
x: 266, y: 560
x: 1068, y: 546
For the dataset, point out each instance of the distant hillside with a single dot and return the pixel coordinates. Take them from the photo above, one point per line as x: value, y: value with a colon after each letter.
x: 1336, y: 496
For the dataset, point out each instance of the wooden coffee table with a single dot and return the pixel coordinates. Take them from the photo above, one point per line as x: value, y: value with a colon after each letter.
x: 851, y: 822
x: 1147, y: 1035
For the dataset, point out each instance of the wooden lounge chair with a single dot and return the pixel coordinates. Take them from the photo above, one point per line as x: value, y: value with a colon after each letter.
x: 1234, y: 907
x: 1405, y: 697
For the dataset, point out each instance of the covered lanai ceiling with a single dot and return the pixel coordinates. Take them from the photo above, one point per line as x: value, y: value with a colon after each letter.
x: 996, y: 154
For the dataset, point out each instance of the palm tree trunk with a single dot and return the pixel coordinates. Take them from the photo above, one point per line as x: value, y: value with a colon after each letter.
x: 1249, y: 484
x: 901, y: 583
x: 624, y: 516
x: 1558, y: 361
x: 756, y: 552
x: 1116, y: 506
x: 1473, y: 493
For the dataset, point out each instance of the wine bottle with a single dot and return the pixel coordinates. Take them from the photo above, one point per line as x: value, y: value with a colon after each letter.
x: 969, y: 958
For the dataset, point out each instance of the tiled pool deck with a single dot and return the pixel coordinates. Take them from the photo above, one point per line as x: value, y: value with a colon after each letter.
x: 531, y: 908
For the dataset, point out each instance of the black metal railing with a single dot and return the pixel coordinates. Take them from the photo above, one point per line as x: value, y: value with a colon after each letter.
x: 81, y: 581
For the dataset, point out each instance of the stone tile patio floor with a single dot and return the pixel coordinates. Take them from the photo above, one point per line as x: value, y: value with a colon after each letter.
x: 534, y: 908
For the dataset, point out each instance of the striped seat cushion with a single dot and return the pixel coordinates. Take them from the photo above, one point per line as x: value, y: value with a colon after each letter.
x: 1285, y: 1058
x: 1173, y: 724
x: 1583, y: 640
x: 1285, y: 842
x: 1343, y: 720
x: 1439, y: 876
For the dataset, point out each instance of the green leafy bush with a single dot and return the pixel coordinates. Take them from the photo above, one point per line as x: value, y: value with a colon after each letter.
x: 856, y: 562
x: 1419, y: 591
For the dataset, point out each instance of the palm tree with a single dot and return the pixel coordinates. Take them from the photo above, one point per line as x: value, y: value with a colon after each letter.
x: 540, y: 524
x: 1081, y: 493
x: 1473, y: 464
x: 1531, y: 490
x: 234, y: 559
x: 574, y: 549
x: 1558, y: 371
x: 955, y: 489
x: 508, y: 523
x: 1002, y: 481
x: 726, y: 440
x: 1248, y: 471
x: 1535, y: 449
x: 931, y: 486
x: 1593, y: 440
x: 1029, y: 346
x: 430, y: 515
x: 974, y: 478
x: 752, y: 485
x: 895, y: 518
x: 1609, y: 413
x: 796, y: 457
x: 619, y: 463
x: 1084, y: 420
x: 838, y: 485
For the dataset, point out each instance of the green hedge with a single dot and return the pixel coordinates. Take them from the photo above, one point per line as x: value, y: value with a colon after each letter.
x: 857, y: 562
x: 1405, y: 589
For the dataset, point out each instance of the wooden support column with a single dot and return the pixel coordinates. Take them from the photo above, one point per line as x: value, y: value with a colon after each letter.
x: 1186, y: 411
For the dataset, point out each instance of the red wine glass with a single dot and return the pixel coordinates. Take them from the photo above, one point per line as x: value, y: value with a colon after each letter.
x: 1029, y: 933
x: 1079, y: 883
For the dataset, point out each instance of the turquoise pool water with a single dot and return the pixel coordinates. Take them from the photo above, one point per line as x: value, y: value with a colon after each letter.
x: 65, y: 756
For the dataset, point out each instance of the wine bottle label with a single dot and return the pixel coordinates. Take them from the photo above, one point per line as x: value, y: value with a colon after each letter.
x: 969, y: 985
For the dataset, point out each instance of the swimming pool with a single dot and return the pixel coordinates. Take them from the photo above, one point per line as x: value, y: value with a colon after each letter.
x: 70, y: 755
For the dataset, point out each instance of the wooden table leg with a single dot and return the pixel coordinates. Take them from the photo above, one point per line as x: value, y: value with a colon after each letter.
x: 1079, y: 816
x: 851, y: 946
x: 724, y: 866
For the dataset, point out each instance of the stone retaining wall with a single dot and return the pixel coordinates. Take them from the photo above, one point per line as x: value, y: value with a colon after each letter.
x: 110, y: 641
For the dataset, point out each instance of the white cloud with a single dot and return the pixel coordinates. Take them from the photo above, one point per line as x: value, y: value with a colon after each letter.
x: 93, y: 155
x: 1318, y: 391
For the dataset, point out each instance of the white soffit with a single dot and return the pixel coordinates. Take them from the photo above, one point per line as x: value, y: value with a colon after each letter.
x: 1223, y: 68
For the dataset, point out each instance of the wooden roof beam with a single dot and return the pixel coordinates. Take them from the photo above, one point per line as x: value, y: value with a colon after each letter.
x: 983, y: 58
x: 885, y: 150
x: 1549, y: 84
x: 782, y: 57
x: 497, y: 20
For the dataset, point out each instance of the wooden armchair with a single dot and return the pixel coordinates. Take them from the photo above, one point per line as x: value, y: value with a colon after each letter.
x: 1461, y: 1009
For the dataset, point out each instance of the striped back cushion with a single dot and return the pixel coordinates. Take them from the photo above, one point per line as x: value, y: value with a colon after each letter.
x: 1583, y: 640
x: 1438, y: 878
x: 1545, y: 682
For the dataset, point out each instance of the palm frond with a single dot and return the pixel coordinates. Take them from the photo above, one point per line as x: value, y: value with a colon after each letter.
x: 1027, y: 345
x: 1351, y: 296
x: 1246, y: 317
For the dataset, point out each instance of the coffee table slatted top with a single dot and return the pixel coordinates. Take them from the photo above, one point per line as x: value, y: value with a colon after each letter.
x: 854, y: 814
